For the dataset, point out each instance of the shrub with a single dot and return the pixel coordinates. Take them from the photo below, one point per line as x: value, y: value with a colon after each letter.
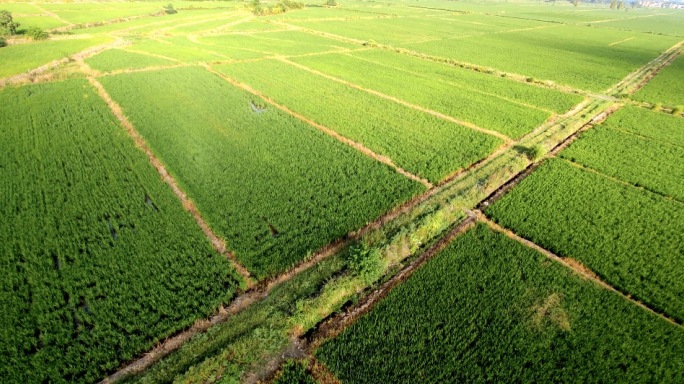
x: 3, y: 43
x: 331, y: 3
x: 678, y: 110
x: 37, y: 33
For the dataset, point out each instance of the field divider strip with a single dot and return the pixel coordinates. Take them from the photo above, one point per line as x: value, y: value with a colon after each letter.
x: 358, y: 146
x: 572, y: 264
x: 218, y: 243
x: 400, y: 101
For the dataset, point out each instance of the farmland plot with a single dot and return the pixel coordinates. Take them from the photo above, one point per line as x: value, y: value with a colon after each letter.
x: 668, y: 87
x: 632, y: 238
x: 118, y: 59
x: 99, y: 259
x: 636, y: 160
x: 23, y: 57
x: 418, y: 142
x: 488, y: 309
x: 446, y: 94
x: 653, y: 125
x: 272, y: 186
x: 582, y: 57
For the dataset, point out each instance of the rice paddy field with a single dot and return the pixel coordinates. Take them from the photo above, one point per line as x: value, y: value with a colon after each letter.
x: 348, y: 191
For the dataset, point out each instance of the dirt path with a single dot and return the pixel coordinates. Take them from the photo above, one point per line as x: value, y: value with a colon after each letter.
x: 439, y: 115
x: 572, y: 264
x: 218, y: 244
x: 358, y: 146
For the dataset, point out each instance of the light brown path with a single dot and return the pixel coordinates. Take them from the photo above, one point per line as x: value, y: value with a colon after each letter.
x: 400, y: 101
x: 218, y: 243
x: 358, y: 146
x: 574, y: 265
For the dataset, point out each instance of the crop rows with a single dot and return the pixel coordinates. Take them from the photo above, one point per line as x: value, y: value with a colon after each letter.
x: 19, y: 58
x: 444, y: 93
x: 488, y: 309
x: 657, y: 126
x: 632, y: 238
x: 273, y: 187
x: 667, y: 88
x: 117, y: 59
x: 100, y: 261
x: 637, y: 160
x: 571, y: 55
x: 418, y: 142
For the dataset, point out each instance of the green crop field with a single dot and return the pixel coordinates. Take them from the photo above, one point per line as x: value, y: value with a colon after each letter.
x: 99, y: 259
x: 630, y: 237
x: 276, y: 191
x: 273, y: 187
x: 488, y: 309
x: 667, y: 88
x: 638, y: 160
x: 660, y: 127
x: 416, y: 141
x: 118, y: 59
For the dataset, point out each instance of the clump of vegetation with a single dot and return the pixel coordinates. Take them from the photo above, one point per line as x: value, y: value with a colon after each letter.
x: 294, y: 372
x: 169, y: 9
x: 3, y: 43
x: 8, y: 26
x: 657, y: 107
x: 331, y: 3
x: 281, y: 7
x: 536, y: 152
x: 678, y: 110
x: 366, y: 262
x: 37, y: 33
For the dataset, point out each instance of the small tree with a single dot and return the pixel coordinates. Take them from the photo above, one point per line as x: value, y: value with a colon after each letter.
x: 331, y: 3
x: 3, y: 43
x: 7, y: 24
x: 169, y: 9
x: 613, y: 4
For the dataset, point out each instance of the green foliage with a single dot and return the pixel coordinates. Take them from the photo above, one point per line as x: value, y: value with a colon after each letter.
x: 331, y: 3
x: 366, y: 262
x: 534, y: 153
x: 3, y: 43
x: 458, y: 319
x: 169, y: 9
x: 99, y: 259
x: 8, y: 26
x: 294, y: 372
x: 632, y: 238
x: 275, y: 188
x: 678, y: 110
x: 36, y: 33
x: 652, y: 164
x: 416, y: 141
x: 613, y: 4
